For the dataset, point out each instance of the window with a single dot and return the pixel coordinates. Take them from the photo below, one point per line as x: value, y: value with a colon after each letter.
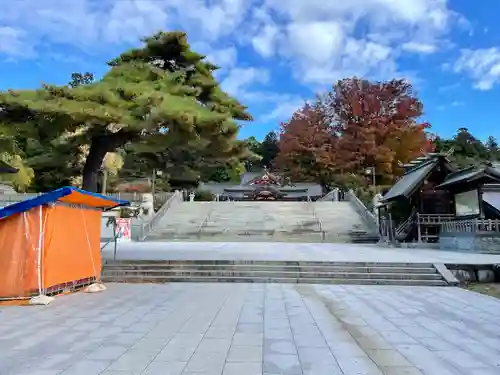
x: 467, y: 203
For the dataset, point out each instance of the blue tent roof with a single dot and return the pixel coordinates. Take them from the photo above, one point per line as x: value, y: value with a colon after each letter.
x: 66, y: 194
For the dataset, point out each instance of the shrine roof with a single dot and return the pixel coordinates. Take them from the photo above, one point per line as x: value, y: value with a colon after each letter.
x: 415, y: 174
x: 470, y: 174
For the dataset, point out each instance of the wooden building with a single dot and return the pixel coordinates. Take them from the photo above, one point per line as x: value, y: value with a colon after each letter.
x: 432, y: 193
x: 265, y: 186
x: 475, y: 192
x: 414, y: 208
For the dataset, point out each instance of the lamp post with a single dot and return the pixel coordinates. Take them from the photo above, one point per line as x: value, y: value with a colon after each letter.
x: 371, y: 171
x: 153, y: 183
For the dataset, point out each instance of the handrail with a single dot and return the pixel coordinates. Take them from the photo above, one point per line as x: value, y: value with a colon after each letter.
x: 361, y: 209
x: 316, y: 217
x: 331, y: 194
x: 149, y: 226
x: 387, y: 232
x: 434, y: 218
x: 403, y: 227
x: 205, y: 219
x: 471, y: 226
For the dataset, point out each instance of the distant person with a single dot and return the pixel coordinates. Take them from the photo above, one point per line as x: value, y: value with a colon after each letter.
x: 341, y: 193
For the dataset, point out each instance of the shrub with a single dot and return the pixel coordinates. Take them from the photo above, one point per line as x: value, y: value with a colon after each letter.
x: 203, y: 195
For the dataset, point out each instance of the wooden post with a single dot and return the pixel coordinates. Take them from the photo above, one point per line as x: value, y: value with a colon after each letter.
x: 419, y: 229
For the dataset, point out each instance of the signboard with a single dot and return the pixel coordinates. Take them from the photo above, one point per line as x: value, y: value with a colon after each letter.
x: 123, y: 233
x: 467, y: 203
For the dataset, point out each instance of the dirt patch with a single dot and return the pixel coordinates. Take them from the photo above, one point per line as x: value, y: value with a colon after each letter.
x: 490, y: 289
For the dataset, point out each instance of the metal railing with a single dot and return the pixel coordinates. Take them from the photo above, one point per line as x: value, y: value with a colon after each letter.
x: 368, y: 217
x: 387, y: 231
x: 205, y: 219
x: 434, y: 219
x: 403, y: 228
x: 471, y: 226
x: 149, y: 226
x: 331, y: 196
x: 161, y: 198
x: 316, y: 217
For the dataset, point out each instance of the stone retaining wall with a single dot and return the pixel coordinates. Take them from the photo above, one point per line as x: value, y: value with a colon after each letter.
x: 478, y: 242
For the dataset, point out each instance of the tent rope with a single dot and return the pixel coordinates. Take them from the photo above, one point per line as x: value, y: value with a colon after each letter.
x: 88, y: 244
x: 40, y: 244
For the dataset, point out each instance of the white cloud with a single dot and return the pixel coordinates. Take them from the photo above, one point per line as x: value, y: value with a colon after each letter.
x: 241, y: 79
x: 225, y: 57
x: 129, y: 19
x: 482, y: 65
x: 320, y: 41
x: 265, y: 41
x: 283, y: 110
x: 13, y: 43
x: 419, y: 47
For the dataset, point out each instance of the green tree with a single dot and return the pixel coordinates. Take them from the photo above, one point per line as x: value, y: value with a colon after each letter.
x: 163, y: 89
x: 11, y: 153
x: 493, y: 148
x: 23, y: 178
x: 467, y: 149
x: 269, y: 149
x: 254, y: 161
x: 78, y: 79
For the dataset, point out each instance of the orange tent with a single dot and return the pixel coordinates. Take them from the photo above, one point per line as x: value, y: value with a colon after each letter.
x: 51, y: 243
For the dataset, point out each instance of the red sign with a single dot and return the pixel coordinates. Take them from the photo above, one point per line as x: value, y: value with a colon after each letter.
x: 123, y: 230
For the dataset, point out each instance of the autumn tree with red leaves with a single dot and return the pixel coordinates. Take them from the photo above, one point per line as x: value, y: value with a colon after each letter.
x: 377, y: 124
x: 307, y: 146
x: 358, y: 125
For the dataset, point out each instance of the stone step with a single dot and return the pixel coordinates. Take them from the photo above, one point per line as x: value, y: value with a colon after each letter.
x: 219, y: 279
x: 271, y: 268
x: 254, y: 221
x: 231, y: 238
x: 395, y: 273
x: 263, y: 273
x: 291, y: 263
x: 264, y: 232
x: 249, y: 231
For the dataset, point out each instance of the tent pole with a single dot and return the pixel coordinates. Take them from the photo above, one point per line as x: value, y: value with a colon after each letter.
x: 40, y: 234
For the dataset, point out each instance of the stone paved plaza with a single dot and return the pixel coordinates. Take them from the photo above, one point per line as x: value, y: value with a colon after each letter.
x: 250, y: 329
x: 334, y: 252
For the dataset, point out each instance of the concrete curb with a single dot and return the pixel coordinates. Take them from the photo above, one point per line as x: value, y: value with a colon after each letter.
x: 447, y: 275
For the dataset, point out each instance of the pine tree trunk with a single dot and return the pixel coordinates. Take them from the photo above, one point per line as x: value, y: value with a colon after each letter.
x: 99, y: 147
x: 93, y: 164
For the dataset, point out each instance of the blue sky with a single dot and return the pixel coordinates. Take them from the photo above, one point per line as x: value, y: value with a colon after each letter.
x: 275, y: 57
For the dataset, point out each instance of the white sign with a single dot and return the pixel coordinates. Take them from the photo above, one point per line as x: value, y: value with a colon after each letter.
x: 467, y: 203
x: 123, y: 233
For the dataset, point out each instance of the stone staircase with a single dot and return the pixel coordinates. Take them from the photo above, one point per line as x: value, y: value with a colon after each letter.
x: 181, y: 222
x: 339, y: 221
x: 259, y: 221
x: 265, y: 221
x: 273, y: 272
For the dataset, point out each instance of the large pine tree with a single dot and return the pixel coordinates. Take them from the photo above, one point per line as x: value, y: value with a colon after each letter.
x: 163, y: 91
